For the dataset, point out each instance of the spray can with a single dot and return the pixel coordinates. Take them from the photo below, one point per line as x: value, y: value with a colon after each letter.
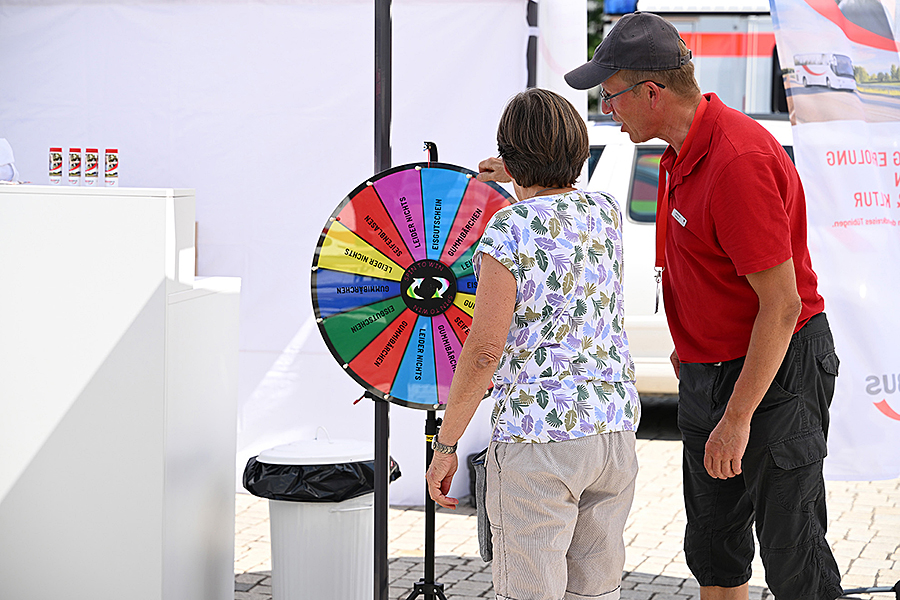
x: 91, y: 166
x: 56, y: 165
x: 74, y: 166
x: 112, y: 167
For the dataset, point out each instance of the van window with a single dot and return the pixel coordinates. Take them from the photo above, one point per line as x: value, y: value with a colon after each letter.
x: 790, y: 152
x: 644, y: 179
x: 596, y: 151
x: 642, y: 197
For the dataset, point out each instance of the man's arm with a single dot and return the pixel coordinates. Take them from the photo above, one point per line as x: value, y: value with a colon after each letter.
x: 779, y: 309
x: 495, y: 301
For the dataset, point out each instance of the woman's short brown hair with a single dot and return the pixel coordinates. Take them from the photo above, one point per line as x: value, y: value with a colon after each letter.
x: 542, y: 139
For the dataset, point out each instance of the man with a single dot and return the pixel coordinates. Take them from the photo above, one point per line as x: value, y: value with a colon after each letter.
x: 753, y: 350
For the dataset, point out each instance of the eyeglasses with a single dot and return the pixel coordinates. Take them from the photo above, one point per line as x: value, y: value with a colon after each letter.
x: 605, y: 97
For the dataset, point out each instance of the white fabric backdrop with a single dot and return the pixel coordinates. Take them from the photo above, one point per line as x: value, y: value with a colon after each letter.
x: 266, y: 109
x: 847, y: 145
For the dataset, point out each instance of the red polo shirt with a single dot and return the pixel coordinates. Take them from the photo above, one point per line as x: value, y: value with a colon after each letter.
x: 736, y: 206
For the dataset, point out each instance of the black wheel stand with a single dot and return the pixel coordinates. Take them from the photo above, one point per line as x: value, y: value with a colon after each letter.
x: 427, y: 586
x: 873, y: 590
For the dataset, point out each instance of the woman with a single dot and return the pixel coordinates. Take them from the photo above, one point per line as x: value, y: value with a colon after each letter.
x: 548, y: 327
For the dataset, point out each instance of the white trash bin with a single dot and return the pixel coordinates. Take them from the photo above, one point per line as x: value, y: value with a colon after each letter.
x: 322, y: 550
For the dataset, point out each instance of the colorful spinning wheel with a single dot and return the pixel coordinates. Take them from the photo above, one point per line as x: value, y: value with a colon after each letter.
x: 392, y: 285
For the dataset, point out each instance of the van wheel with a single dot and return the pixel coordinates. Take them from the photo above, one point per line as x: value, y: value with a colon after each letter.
x: 804, y: 82
x: 828, y: 83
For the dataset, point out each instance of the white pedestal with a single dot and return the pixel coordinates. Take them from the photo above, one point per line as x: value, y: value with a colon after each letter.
x: 118, y: 390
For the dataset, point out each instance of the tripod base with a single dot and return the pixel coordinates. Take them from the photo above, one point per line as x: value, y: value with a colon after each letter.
x: 427, y: 589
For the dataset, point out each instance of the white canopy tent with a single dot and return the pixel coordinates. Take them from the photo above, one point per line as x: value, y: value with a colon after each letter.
x: 265, y: 108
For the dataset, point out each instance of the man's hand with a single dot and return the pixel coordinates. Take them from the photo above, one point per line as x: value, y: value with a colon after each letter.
x: 676, y: 364
x: 493, y: 169
x: 438, y: 478
x: 725, y: 448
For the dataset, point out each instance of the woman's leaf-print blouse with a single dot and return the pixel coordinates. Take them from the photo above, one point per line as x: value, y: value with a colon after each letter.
x: 566, y: 355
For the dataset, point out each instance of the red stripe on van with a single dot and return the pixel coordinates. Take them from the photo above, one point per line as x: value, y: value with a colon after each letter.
x: 730, y: 44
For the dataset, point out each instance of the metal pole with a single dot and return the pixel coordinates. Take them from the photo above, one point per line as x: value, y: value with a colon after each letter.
x: 382, y: 85
x: 431, y: 429
x: 382, y: 475
x: 532, y: 51
x: 427, y: 586
x: 382, y: 407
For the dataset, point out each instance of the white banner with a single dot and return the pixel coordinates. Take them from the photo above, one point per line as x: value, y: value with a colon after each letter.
x: 842, y: 69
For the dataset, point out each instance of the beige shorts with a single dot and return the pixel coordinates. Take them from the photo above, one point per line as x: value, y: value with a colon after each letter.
x: 558, y: 512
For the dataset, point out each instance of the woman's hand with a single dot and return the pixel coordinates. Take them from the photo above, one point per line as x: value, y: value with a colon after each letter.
x: 439, y: 476
x: 493, y: 169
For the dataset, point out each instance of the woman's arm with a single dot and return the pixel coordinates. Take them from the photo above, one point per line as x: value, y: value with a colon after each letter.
x: 495, y: 301
x: 493, y: 169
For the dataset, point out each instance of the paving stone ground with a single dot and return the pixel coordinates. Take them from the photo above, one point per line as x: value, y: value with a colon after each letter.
x: 864, y: 533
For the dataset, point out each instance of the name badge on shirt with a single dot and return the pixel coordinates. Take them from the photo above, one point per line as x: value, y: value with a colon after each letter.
x: 679, y: 217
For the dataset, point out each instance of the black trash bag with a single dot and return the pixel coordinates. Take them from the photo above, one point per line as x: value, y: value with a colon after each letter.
x: 313, y: 483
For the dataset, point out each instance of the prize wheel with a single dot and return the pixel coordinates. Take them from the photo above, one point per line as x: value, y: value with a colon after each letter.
x: 393, y: 288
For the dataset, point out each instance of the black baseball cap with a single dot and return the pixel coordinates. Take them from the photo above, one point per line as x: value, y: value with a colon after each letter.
x: 637, y: 42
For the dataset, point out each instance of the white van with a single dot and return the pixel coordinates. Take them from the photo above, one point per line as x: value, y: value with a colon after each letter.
x: 629, y: 172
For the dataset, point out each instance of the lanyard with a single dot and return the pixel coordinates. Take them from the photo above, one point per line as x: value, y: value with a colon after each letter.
x: 662, y: 200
